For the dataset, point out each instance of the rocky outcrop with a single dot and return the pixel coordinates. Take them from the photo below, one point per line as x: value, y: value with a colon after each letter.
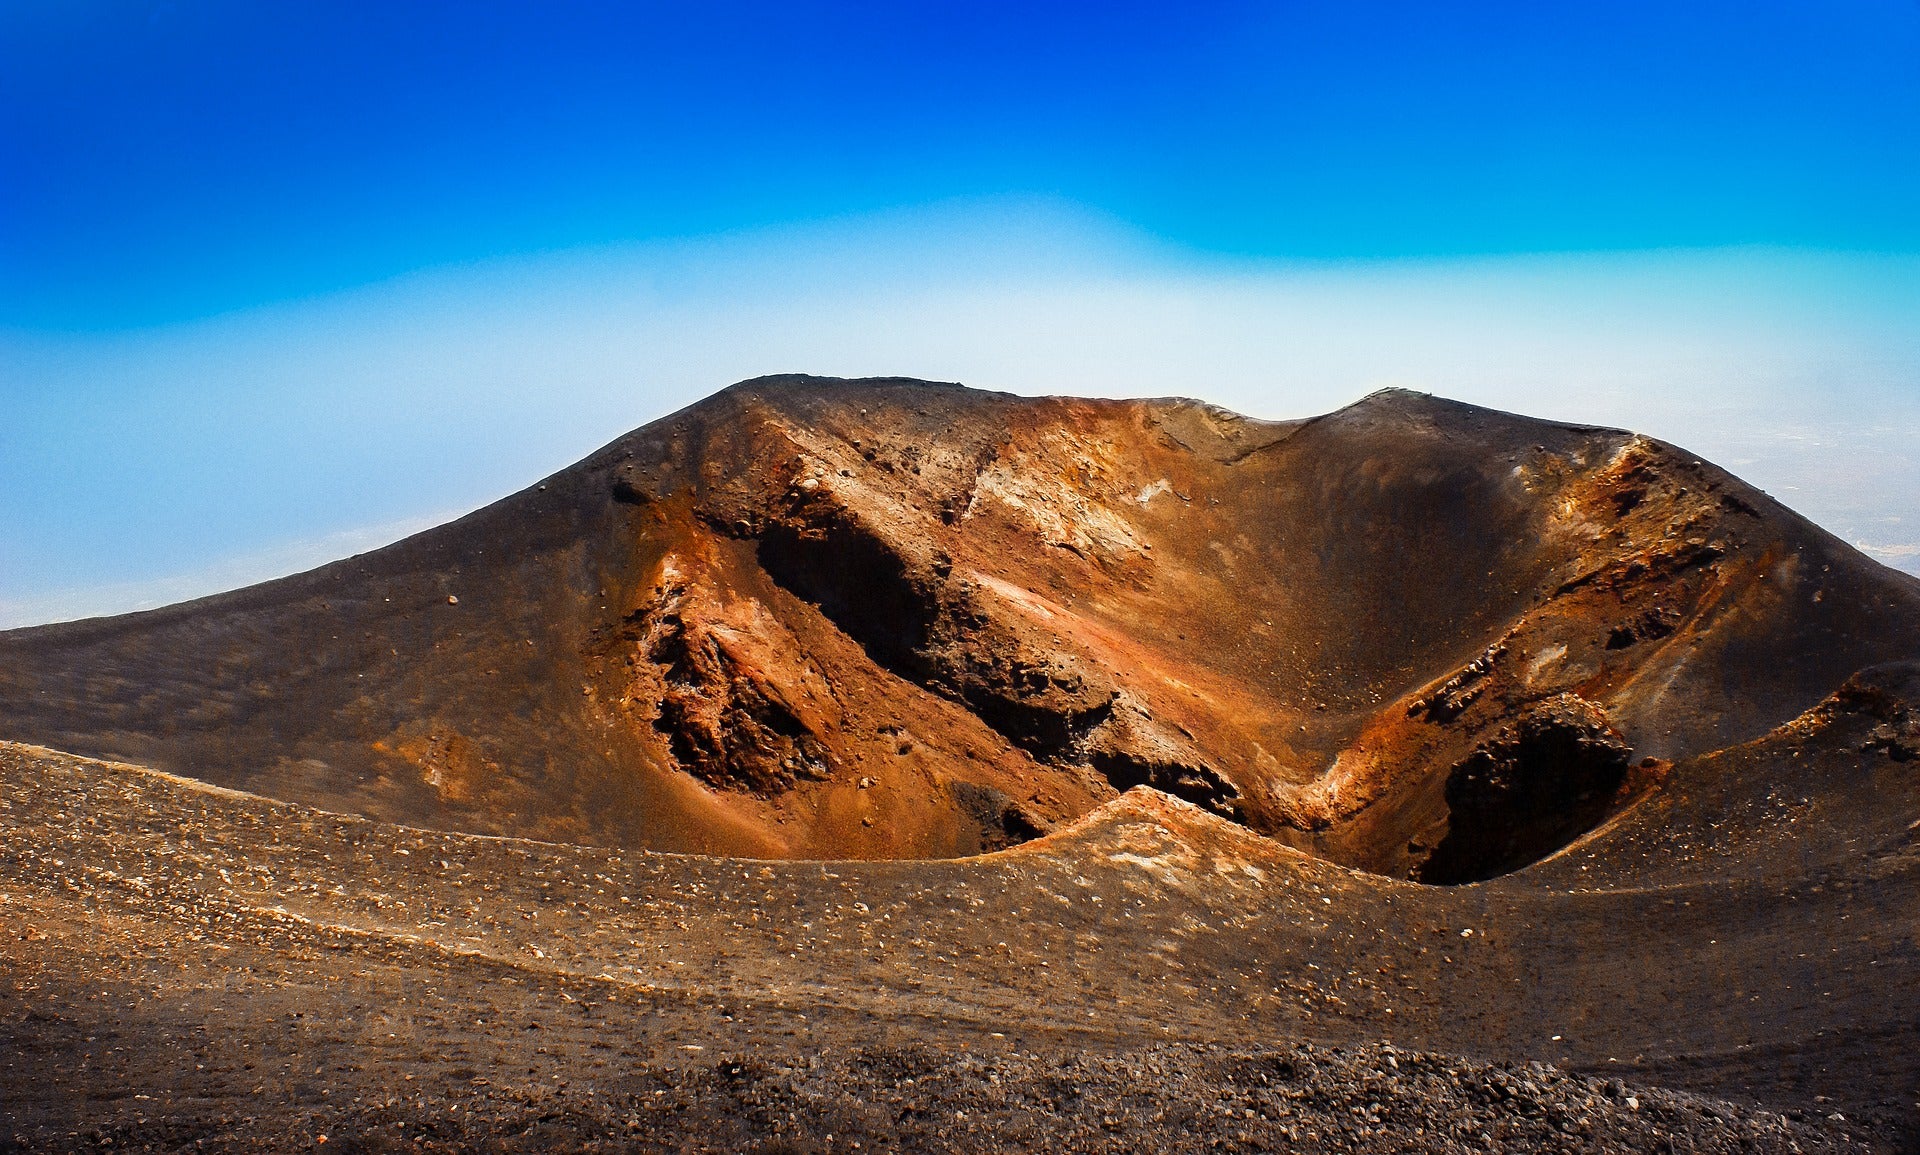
x: 1529, y: 790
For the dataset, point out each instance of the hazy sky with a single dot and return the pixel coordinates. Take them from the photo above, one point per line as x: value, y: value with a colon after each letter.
x: 279, y: 282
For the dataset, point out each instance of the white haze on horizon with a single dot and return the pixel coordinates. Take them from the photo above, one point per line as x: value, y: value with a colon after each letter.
x: 145, y: 467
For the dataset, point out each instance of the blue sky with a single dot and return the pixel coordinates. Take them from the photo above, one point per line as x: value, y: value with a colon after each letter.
x: 284, y: 279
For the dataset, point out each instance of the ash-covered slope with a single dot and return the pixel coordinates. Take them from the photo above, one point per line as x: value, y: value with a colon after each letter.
x: 888, y: 618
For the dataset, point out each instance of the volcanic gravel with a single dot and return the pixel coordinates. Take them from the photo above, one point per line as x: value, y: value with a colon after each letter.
x: 1169, y: 1098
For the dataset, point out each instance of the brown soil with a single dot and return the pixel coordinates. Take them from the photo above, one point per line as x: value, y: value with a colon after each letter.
x: 1652, y: 730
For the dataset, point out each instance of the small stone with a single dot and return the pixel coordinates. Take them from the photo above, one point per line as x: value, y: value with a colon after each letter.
x: 452, y: 601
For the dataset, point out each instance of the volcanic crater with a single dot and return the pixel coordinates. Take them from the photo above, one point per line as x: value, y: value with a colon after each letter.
x: 1434, y: 664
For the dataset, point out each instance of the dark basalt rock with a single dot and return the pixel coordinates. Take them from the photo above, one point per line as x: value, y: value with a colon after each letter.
x: 1537, y: 785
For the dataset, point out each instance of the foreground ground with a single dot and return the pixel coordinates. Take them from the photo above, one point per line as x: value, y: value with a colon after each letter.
x: 187, y: 968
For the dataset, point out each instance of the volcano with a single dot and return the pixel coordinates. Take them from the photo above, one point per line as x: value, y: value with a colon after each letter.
x: 1538, y: 742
